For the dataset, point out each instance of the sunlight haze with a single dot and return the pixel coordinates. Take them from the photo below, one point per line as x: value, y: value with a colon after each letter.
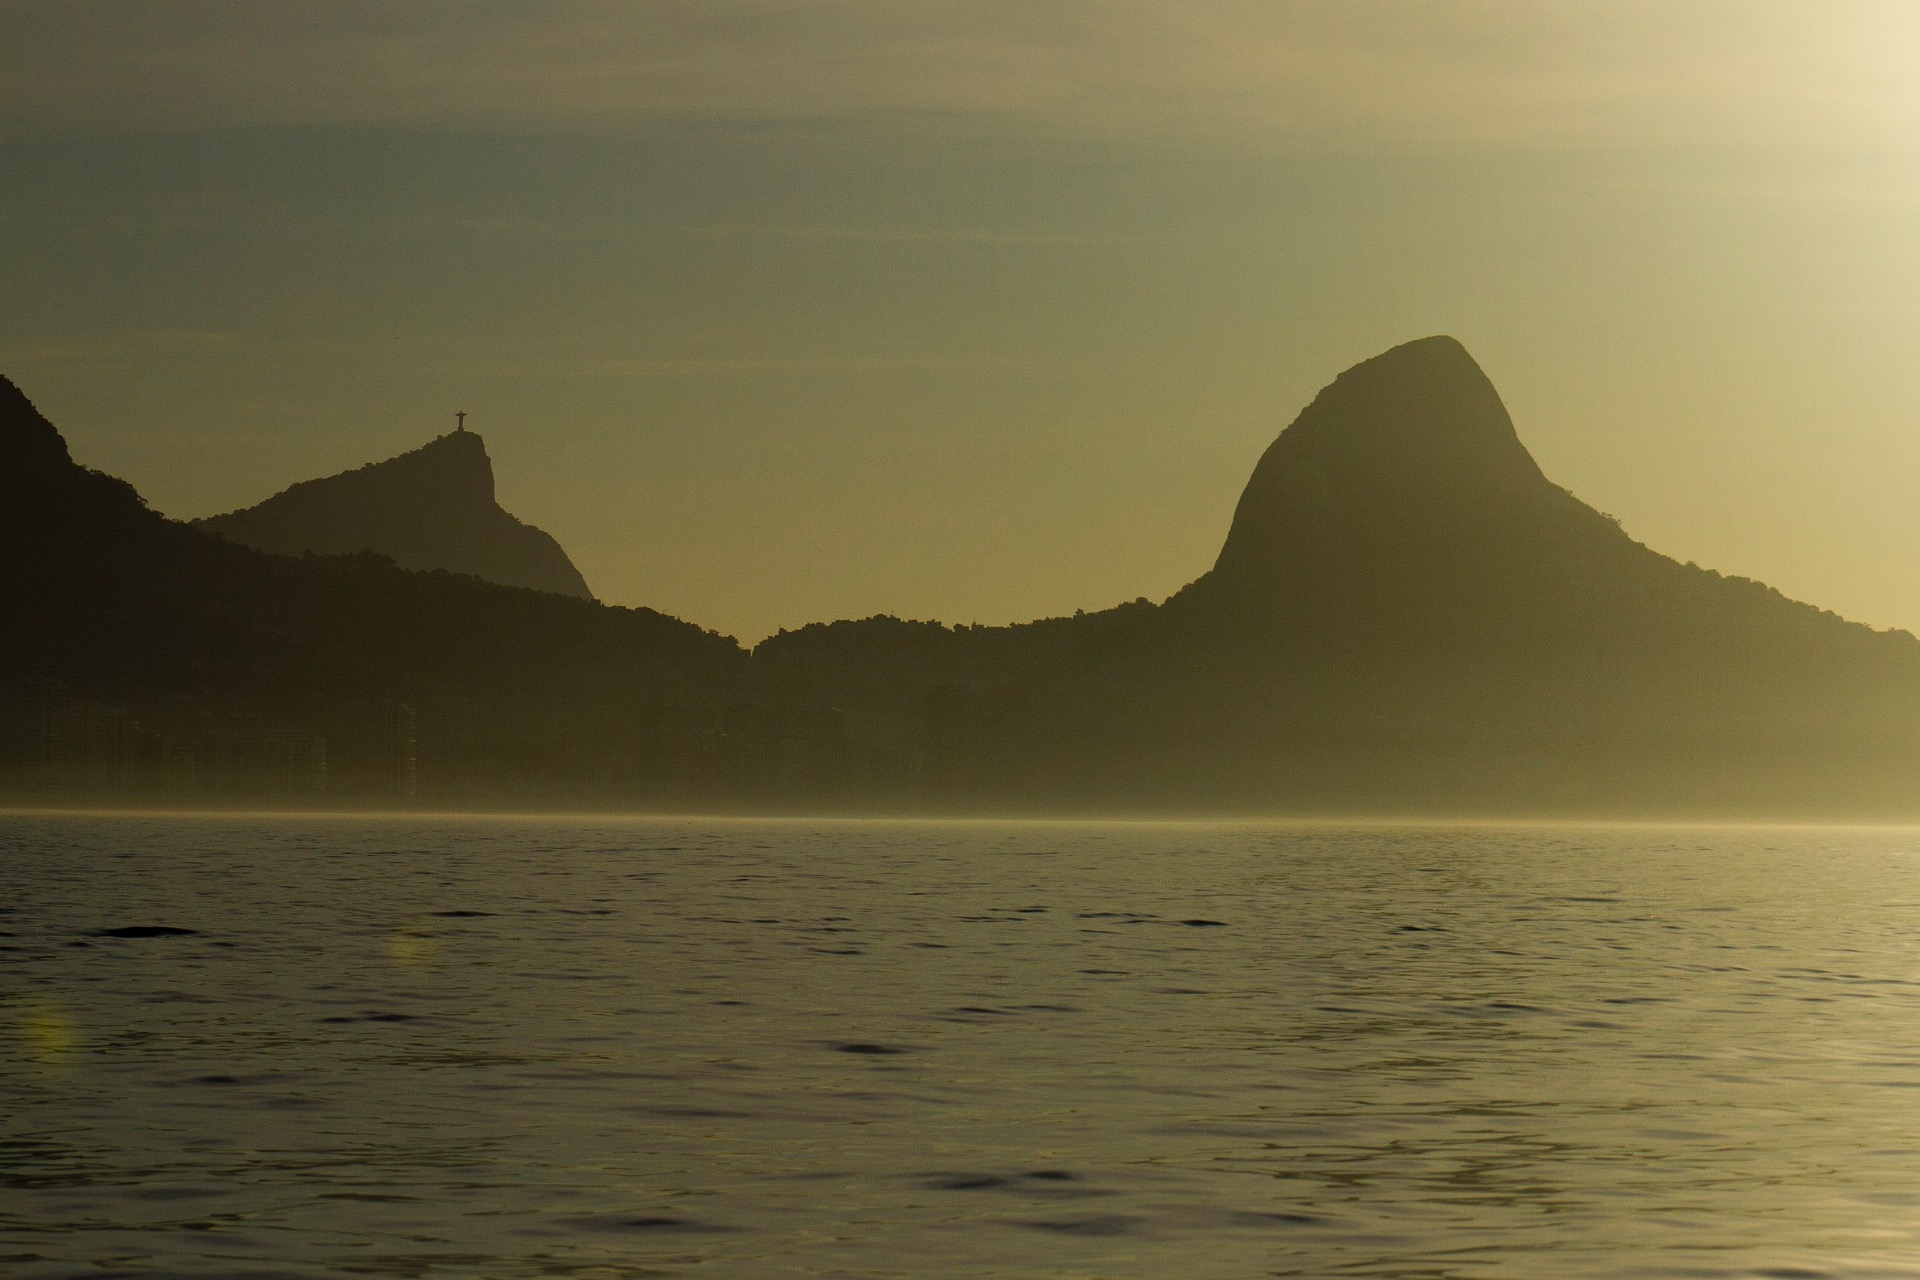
x: 778, y: 313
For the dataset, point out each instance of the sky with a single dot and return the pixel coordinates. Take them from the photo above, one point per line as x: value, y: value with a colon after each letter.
x: 779, y: 311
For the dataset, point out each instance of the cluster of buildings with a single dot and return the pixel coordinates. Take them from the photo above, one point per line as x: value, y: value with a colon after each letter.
x: 77, y: 748
x: 66, y: 748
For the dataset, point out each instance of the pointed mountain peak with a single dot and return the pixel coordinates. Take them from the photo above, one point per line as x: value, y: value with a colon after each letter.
x: 28, y: 442
x: 429, y: 508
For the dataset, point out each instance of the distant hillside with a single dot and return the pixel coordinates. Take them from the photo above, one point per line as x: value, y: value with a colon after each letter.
x: 432, y: 508
x: 1407, y: 615
x: 130, y: 616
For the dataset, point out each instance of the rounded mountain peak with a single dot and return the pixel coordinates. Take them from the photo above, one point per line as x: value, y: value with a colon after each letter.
x: 1422, y: 413
x: 1407, y: 447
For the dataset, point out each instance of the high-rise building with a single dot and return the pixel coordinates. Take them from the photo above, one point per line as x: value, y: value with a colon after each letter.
x: 401, y: 752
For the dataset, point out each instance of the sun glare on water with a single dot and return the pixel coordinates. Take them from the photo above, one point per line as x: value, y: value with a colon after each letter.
x: 48, y: 1035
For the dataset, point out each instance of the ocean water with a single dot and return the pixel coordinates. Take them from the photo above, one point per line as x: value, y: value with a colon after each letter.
x: 478, y: 1048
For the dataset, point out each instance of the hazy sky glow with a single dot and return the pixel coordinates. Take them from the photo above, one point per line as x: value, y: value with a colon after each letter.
x: 777, y: 312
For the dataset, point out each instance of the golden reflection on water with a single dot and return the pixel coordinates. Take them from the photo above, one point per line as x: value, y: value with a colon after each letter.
x: 414, y: 946
x: 48, y: 1035
x: 427, y: 1049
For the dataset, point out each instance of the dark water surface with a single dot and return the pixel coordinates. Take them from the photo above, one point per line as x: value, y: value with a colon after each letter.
x: 440, y: 1048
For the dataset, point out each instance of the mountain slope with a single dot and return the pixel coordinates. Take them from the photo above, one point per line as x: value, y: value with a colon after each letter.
x: 1406, y: 617
x: 1406, y: 607
x: 1400, y: 513
x: 176, y: 625
x: 1407, y: 614
x: 432, y: 508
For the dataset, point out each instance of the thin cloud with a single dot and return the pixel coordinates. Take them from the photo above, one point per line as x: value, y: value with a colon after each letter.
x: 1345, y: 72
x: 914, y: 235
x: 127, y: 346
x: 725, y: 365
x: 455, y: 354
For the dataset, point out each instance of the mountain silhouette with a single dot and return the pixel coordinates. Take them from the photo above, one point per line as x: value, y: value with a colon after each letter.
x: 193, y: 637
x: 1399, y: 514
x: 1406, y: 616
x: 1407, y: 457
x: 1407, y: 613
x: 431, y: 508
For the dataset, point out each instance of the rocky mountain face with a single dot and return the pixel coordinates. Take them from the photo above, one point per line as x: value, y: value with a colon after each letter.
x: 432, y: 508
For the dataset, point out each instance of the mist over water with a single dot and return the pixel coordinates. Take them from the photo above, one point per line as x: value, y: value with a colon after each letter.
x: 422, y: 1048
